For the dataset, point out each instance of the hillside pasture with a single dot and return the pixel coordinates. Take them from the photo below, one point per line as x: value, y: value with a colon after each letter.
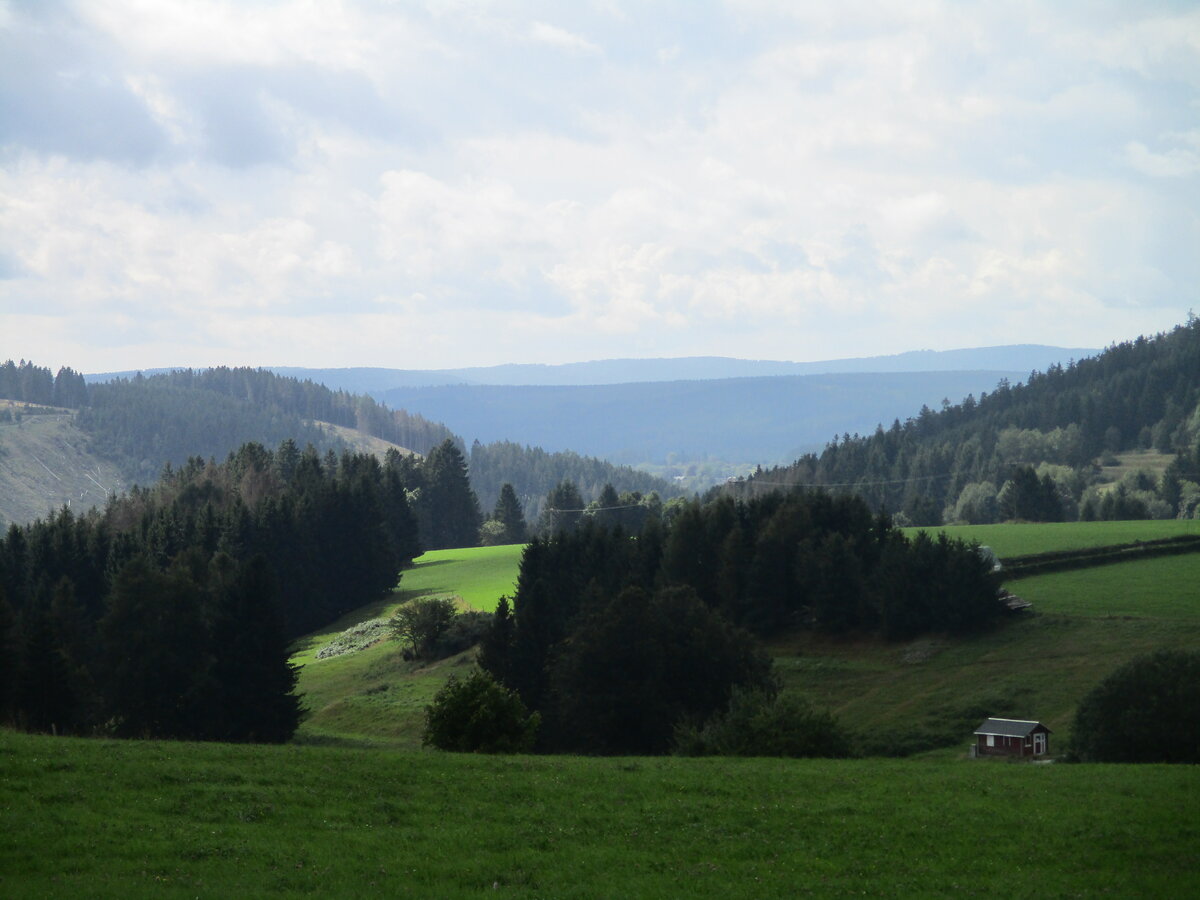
x: 479, y: 575
x: 374, y: 696
x: 935, y: 690
x: 1165, y: 588
x: 132, y: 819
x: 1025, y: 538
x: 898, y: 698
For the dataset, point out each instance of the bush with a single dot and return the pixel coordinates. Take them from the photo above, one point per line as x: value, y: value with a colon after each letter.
x: 759, y: 723
x: 464, y: 632
x: 421, y: 624
x: 1146, y: 711
x: 477, y: 715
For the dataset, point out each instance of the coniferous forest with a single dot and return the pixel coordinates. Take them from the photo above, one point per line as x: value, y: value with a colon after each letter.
x: 616, y: 639
x: 143, y: 422
x: 977, y: 461
x: 170, y: 612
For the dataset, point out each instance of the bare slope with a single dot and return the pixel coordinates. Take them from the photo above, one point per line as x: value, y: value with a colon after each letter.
x: 46, y: 463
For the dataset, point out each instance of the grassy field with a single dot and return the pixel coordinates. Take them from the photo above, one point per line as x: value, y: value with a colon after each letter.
x: 1149, y: 461
x: 897, y: 697
x: 132, y: 819
x: 1045, y: 537
x: 1083, y: 624
x: 375, y: 696
x: 479, y: 575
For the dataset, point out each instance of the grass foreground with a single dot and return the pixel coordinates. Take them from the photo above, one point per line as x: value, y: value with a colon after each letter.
x: 127, y: 819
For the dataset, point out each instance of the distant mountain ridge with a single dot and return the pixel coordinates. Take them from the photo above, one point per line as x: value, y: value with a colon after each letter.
x: 1020, y: 358
x: 702, y: 408
x: 764, y: 419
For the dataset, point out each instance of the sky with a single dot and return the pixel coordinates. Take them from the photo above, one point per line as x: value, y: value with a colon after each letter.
x: 451, y: 183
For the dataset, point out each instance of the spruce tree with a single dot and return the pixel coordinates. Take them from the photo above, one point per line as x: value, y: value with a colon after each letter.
x: 448, y: 508
x: 564, y: 508
x: 511, y: 517
x: 253, y: 681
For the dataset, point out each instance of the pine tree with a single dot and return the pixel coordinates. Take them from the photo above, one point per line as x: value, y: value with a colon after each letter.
x: 156, y: 653
x: 510, y: 516
x: 564, y: 508
x: 253, y: 682
x: 448, y: 508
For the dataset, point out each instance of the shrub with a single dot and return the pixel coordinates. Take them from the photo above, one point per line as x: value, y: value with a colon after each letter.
x: 477, y: 715
x: 758, y: 722
x: 1148, y: 710
x: 421, y: 624
x: 464, y: 631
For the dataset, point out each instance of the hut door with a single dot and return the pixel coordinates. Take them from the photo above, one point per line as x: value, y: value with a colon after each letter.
x: 1039, y: 744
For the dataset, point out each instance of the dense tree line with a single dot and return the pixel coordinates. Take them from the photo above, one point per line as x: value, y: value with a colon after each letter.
x: 310, y: 401
x: 168, y: 613
x: 615, y: 639
x: 957, y: 461
x: 446, y: 507
x: 533, y: 473
x: 29, y: 383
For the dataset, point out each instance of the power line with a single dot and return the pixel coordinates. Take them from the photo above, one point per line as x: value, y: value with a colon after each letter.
x: 596, y: 508
x: 841, y: 483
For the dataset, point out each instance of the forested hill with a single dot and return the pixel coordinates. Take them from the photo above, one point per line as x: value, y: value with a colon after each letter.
x: 1143, y: 394
x: 175, y: 415
x: 141, y: 422
x: 534, y: 473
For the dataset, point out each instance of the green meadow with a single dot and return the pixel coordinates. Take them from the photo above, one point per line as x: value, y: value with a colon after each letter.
x: 353, y: 807
x: 1022, y: 539
x: 1082, y: 625
x: 130, y: 819
x: 374, y: 696
x: 479, y: 575
x: 925, y: 696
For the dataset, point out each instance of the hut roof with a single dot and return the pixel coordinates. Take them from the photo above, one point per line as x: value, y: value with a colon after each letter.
x: 1009, y: 727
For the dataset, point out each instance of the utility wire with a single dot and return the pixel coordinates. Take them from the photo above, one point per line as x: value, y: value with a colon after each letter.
x: 841, y: 483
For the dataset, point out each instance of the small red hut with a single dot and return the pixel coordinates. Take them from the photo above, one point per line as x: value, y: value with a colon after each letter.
x: 1011, y: 737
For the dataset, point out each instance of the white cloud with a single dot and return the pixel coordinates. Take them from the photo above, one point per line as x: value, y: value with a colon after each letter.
x: 1175, y: 162
x: 543, y: 33
x: 360, y: 183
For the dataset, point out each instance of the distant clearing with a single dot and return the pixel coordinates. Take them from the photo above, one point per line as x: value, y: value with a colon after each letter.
x: 375, y: 696
x: 360, y: 441
x: 480, y: 575
x: 1020, y: 539
x: 45, y: 464
x: 1150, y: 461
